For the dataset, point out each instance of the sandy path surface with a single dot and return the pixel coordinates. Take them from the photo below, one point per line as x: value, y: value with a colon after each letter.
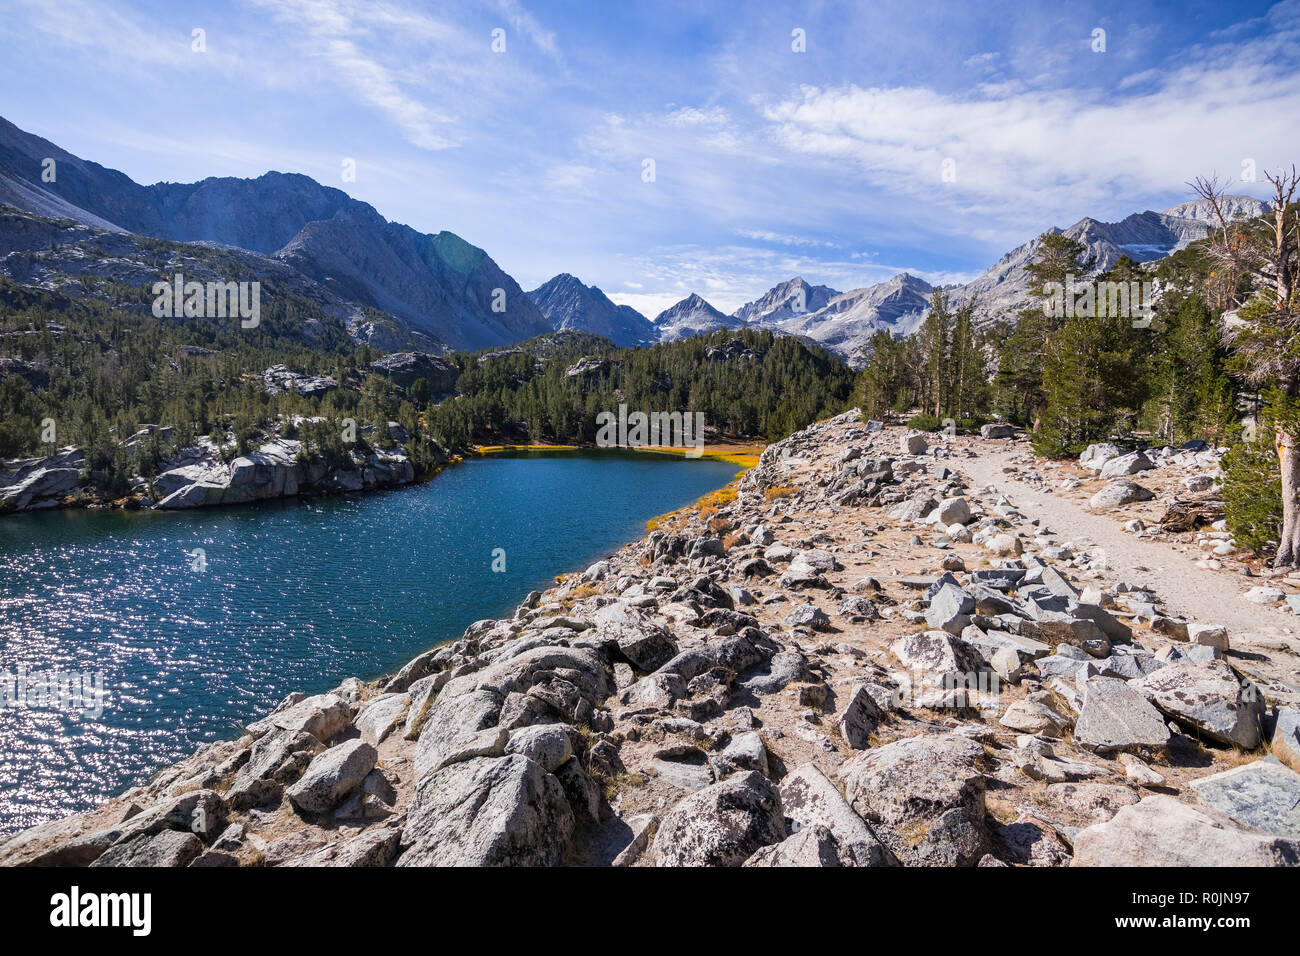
x: 1199, y: 594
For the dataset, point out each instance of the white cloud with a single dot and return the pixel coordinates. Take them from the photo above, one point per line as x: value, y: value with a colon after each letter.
x: 572, y: 181
x: 713, y: 116
x: 648, y: 304
x: 765, y: 235
x: 1024, y: 154
x: 335, y: 30
x: 526, y: 23
x: 982, y: 60
x: 431, y: 74
x: 99, y: 27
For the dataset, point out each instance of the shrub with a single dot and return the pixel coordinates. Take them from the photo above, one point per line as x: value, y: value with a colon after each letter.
x: 924, y: 422
x: 1252, y: 494
x: 1049, y: 443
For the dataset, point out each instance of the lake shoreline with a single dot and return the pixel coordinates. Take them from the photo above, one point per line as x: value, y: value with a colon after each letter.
x: 424, y: 677
x: 49, y: 484
x: 440, y: 571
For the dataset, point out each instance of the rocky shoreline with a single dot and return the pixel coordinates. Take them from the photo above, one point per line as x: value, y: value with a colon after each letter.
x: 852, y: 657
x: 201, y: 476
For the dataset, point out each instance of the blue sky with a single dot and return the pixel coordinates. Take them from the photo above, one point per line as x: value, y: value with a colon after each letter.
x: 768, y: 162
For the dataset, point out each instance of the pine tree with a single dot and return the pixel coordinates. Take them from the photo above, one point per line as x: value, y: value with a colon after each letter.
x: 880, y: 383
x: 932, y: 342
x: 969, y: 386
x: 1252, y: 492
x: 1260, y: 263
x: 1191, y: 394
x: 1092, y: 374
x: 1019, y: 380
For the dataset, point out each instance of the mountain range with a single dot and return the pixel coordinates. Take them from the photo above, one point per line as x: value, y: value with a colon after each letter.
x: 395, y: 287
x: 848, y: 320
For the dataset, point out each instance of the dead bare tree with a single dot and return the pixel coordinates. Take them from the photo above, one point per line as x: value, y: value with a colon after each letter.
x: 1258, y: 262
x: 1224, y: 251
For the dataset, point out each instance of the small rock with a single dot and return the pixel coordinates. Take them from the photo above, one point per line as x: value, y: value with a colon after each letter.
x: 1004, y: 544
x: 1286, y: 737
x: 1209, y: 635
x: 913, y: 443
x: 1264, y: 595
x: 380, y: 715
x: 331, y: 774
x: 1117, y: 717
x: 1263, y: 794
x: 1119, y: 493
x: 1209, y: 698
x: 808, y: 615
x: 860, y: 717
x: 1139, y: 772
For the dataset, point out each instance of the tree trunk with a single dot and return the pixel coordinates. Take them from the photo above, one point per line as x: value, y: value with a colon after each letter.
x: 1288, y: 546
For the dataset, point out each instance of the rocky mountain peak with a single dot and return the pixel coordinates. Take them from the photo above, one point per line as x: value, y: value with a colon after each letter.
x: 1235, y: 207
x: 791, y: 298
x: 693, y: 315
x: 568, y: 304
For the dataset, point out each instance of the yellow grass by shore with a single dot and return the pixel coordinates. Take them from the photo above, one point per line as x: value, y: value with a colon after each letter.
x: 536, y: 446
x: 744, y: 455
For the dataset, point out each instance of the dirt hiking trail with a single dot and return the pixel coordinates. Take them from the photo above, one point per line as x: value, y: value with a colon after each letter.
x: 1196, y: 593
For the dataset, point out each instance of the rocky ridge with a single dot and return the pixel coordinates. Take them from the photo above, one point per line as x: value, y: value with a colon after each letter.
x: 436, y: 288
x: 851, y: 658
x: 790, y: 299
x: 847, y: 321
x: 1003, y: 288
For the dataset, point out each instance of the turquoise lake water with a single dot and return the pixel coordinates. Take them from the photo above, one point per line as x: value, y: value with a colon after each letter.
x: 295, y: 595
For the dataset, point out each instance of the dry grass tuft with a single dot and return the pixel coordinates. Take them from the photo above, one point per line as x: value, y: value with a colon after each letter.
x: 779, y: 491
